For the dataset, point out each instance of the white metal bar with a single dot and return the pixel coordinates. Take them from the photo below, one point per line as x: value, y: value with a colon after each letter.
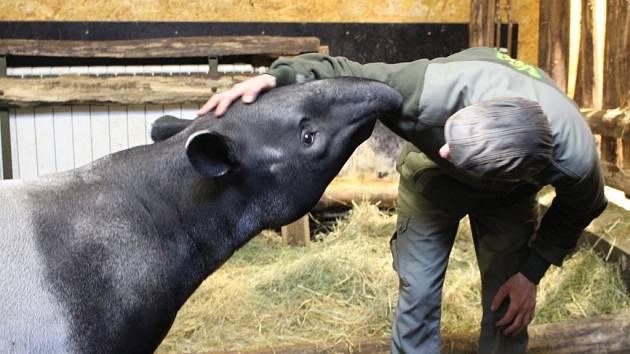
x: 25, y: 133
x: 45, y: 141
x: 137, y: 128
x: 99, y: 115
x: 15, y: 157
x: 118, y: 128
x: 82, y: 135
x: 152, y: 112
x: 64, y: 138
x: 189, y: 111
x: 116, y: 70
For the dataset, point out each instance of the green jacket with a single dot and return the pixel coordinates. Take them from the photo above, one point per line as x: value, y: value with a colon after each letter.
x: 435, y: 89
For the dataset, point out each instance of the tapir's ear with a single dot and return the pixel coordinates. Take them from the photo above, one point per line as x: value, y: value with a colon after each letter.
x: 211, y: 153
x: 167, y: 126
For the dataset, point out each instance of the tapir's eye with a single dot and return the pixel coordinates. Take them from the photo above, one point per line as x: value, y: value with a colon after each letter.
x: 308, y: 138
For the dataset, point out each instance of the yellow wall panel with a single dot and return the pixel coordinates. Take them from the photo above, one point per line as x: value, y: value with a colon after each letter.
x: 397, y: 11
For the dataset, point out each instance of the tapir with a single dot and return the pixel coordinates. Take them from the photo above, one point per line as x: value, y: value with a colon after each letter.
x: 99, y: 259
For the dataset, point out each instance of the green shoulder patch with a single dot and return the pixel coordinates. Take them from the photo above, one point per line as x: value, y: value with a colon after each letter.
x: 520, y: 65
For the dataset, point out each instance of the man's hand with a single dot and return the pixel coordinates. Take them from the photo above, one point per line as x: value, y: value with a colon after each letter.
x: 522, y: 294
x: 248, y: 90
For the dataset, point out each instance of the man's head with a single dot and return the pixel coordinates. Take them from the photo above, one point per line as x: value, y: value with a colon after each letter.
x: 507, y: 138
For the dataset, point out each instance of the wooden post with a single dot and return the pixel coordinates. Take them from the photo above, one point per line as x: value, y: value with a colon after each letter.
x: 585, y: 74
x: 553, y: 55
x: 616, y: 74
x: 297, y: 233
x: 617, y: 48
x: 213, y: 67
x: 5, y: 130
x: 481, y: 25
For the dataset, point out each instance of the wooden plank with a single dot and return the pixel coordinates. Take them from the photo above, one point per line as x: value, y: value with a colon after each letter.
x: 617, y: 177
x: 175, y: 47
x: 617, y: 47
x: 121, y: 89
x: 599, y: 334
x: 343, y: 191
x: 585, y: 73
x: 612, y: 123
x: 481, y: 25
x: 553, y: 54
x: 609, y: 153
x: 297, y: 233
x: 599, y: 39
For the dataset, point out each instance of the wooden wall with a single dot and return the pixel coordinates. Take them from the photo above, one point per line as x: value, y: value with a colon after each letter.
x: 525, y: 12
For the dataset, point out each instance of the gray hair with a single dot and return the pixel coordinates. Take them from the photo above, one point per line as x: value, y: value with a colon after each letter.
x: 505, y: 138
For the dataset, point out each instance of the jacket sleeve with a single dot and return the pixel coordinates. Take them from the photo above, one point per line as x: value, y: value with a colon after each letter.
x: 407, y: 78
x: 578, y: 201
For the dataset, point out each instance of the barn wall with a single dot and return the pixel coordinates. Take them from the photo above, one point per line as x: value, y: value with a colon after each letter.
x: 372, y: 11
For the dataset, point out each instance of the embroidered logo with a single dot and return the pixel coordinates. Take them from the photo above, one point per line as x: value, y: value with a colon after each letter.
x: 520, y: 65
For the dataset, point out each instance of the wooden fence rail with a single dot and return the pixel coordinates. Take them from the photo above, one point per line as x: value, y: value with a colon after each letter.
x: 613, y: 126
x: 175, y: 47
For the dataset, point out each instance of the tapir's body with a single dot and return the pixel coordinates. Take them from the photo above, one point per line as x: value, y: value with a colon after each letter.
x: 99, y: 259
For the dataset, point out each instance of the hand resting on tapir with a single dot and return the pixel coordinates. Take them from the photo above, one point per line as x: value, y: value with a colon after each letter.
x: 100, y: 259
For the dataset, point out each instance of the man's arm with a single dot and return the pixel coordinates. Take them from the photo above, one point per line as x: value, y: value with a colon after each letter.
x: 578, y: 201
x: 406, y: 78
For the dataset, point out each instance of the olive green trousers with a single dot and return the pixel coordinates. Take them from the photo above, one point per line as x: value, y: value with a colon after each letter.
x: 430, y: 206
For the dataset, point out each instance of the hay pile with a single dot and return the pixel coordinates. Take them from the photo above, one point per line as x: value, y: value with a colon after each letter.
x: 344, y: 287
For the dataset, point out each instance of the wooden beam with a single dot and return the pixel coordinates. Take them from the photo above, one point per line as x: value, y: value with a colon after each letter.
x: 585, y: 80
x: 616, y: 176
x: 553, y: 54
x: 343, y: 191
x: 617, y: 48
x: 297, y: 233
x: 175, y: 47
x: 121, y: 89
x: 599, y: 334
x: 481, y: 25
x: 612, y: 123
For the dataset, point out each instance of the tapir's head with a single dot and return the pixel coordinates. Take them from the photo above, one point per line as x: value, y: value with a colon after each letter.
x: 283, y: 150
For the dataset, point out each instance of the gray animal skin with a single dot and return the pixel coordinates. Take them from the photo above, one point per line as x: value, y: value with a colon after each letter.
x: 100, y: 259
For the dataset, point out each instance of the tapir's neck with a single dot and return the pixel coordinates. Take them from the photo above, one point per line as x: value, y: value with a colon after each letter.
x: 210, y: 218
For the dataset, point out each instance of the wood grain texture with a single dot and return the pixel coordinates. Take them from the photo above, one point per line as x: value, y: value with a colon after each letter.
x: 121, y: 89
x: 481, y: 25
x: 616, y: 61
x: 297, y: 233
x: 553, y: 53
x: 612, y: 123
x: 584, y: 90
x: 175, y: 47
